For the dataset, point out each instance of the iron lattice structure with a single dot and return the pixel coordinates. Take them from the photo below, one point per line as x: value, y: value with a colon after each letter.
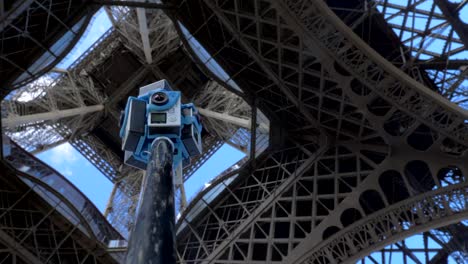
x: 45, y: 219
x: 36, y: 35
x: 374, y: 150
x: 75, y: 103
x: 351, y: 114
x: 54, y: 93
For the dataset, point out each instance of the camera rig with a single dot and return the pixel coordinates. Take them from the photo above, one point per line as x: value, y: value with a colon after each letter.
x: 158, y: 112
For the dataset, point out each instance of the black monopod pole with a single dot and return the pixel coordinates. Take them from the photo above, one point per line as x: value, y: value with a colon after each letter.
x: 153, y: 238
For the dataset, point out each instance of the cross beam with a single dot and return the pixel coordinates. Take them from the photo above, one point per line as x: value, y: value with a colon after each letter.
x: 52, y: 115
x: 132, y: 4
x: 263, y: 65
x: 450, y: 14
x: 143, y: 26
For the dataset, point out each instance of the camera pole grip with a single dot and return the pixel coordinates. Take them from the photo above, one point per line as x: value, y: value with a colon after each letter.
x: 153, y: 237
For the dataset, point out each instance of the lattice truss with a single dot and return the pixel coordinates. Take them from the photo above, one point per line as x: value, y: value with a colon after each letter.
x: 148, y: 33
x: 233, y: 122
x: 38, y: 225
x: 449, y: 237
x: 52, y: 95
x: 124, y: 201
x: 27, y: 26
x: 216, y: 98
x: 372, y: 154
x: 76, y: 203
x: 335, y: 193
x: 151, y: 35
x: 58, y: 91
x: 435, y: 41
x: 426, y: 247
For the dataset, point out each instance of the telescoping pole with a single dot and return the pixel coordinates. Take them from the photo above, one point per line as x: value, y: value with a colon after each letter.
x: 153, y: 238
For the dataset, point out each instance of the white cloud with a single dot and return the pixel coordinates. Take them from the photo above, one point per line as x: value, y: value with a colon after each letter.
x: 67, y: 172
x: 63, y: 154
x: 102, y: 29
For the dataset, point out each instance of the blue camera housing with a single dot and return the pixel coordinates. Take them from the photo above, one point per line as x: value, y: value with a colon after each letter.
x: 158, y: 112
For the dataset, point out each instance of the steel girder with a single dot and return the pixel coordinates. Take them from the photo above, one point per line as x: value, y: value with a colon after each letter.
x: 393, y: 138
x: 35, y: 169
x: 421, y: 248
x: 43, y: 31
x: 55, y: 93
x: 38, y: 225
x: 148, y: 33
x: 434, y: 41
x: 239, y: 205
x: 388, y: 138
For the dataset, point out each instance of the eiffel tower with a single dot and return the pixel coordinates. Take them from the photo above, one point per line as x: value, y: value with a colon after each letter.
x: 352, y: 116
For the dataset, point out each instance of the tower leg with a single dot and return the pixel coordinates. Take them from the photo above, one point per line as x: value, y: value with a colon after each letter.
x: 153, y: 238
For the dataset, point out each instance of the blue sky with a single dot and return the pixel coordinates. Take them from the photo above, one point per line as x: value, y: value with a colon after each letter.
x: 99, y: 24
x: 68, y: 161
x: 225, y: 157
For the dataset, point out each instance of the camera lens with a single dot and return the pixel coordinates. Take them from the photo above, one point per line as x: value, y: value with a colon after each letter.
x: 159, y: 98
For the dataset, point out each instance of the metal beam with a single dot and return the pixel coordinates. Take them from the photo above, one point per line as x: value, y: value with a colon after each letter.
x: 143, y: 26
x: 450, y: 14
x: 444, y: 252
x: 18, y: 248
x: 110, y: 202
x: 408, y: 252
x: 263, y: 65
x: 442, y: 64
x: 266, y: 203
x: 253, y: 133
x: 53, y: 115
x: 18, y: 8
x: 132, y: 4
x: 242, y: 122
x: 441, y: 197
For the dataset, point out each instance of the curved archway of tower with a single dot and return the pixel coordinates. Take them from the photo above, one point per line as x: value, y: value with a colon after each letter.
x: 32, y: 116
x: 434, y: 246
x: 41, y: 116
x: 45, y: 32
x: 434, y: 42
x: 47, y: 94
x: 441, y: 212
